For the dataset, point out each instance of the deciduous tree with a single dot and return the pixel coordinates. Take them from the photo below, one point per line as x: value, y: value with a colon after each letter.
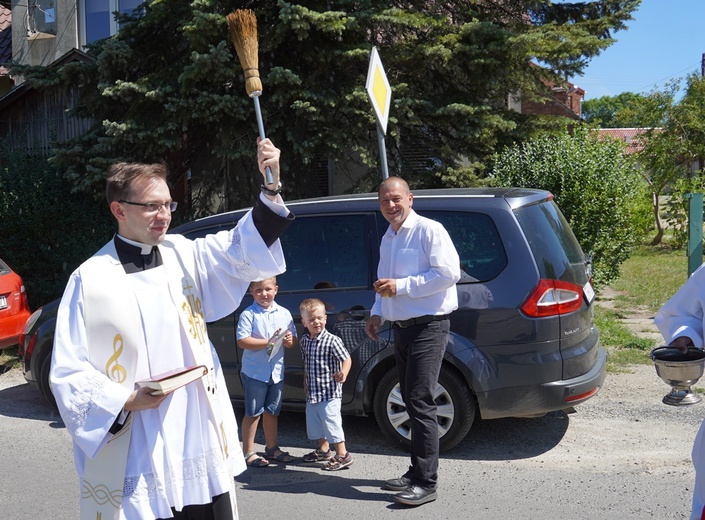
x: 674, y: 149
x: 613, y: 111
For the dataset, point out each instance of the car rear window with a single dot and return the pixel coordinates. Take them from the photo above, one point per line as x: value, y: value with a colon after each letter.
x: 477, y: 240
x: 552, y: 242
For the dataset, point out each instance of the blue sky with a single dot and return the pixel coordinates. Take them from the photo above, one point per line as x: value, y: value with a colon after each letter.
x: 665, y: 41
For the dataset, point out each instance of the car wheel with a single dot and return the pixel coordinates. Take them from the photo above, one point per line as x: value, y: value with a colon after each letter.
x: 44, y: 384
x: 456, y: 409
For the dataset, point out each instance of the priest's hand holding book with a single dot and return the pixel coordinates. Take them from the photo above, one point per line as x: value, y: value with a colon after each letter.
x: 152, y: 391
x: 142, y: 399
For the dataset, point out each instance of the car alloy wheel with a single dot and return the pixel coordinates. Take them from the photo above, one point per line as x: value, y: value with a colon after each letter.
x: 456, y: 409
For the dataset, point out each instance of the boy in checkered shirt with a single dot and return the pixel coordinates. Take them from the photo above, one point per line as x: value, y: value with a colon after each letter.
x: 326, y: 365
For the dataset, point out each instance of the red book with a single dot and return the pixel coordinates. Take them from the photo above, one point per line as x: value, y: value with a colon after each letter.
x: 173, y: 379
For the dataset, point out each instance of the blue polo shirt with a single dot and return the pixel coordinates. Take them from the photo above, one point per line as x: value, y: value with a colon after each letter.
x: 258, y: 322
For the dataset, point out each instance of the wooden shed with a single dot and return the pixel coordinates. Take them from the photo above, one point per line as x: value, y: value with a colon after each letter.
x: 32, y: 119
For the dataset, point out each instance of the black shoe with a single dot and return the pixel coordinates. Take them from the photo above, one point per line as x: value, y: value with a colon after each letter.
x: 415, y: 496
x: 397, y: 484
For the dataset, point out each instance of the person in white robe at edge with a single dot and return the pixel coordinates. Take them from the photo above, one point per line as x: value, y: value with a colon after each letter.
x: 136, y: 309
x: 681, y: 321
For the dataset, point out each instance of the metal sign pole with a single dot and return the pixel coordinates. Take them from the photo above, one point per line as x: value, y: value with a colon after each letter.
x: 382, y: 153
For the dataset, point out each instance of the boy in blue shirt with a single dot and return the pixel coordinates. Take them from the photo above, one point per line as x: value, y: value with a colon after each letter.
x: 263, y: 328
x: 326, y: 366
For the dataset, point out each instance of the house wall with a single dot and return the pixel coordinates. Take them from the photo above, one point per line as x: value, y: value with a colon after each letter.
x: 31, y: 47
x: 563, y: 103
x: 38, y: 118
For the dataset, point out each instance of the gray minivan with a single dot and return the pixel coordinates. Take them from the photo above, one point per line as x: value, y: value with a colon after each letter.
x: 523, y: 341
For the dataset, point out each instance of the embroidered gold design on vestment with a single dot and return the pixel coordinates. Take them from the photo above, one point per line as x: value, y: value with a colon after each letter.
x: 225, y: 440
x: 101, y: 494
x: 113, y: 368
x: 193, y: 308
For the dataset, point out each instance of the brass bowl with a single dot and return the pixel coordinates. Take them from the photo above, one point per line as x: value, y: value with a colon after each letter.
x: 679, y: 370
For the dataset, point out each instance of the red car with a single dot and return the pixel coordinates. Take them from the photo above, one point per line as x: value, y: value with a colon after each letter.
x: 14, y: 309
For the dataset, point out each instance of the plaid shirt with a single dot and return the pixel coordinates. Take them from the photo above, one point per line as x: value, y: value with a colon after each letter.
x: 323, y: 357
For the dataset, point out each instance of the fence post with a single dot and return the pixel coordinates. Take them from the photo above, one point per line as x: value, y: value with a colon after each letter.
x: 695, y: 231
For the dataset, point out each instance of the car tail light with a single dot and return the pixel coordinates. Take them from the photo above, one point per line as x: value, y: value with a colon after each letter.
x: 29, y: 324
x: 24, y: 301
x: 553, y: 298
x: 27, y: 353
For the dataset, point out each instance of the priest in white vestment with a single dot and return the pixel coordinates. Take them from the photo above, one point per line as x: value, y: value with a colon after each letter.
x: 136, y: 309
x: 681, y: 321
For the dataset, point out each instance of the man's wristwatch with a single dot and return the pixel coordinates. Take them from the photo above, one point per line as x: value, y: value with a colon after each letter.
x: 273, y: 193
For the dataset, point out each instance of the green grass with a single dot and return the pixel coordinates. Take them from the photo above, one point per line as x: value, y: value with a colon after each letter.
x: 650, y: 277
x: 647, y: 279
x: 623, y: 346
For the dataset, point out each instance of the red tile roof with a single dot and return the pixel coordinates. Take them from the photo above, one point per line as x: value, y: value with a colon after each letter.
x: 632, y: 137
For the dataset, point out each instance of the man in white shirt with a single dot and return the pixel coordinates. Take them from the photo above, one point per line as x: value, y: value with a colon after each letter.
x: 136, y: 309
x: 417, y: 273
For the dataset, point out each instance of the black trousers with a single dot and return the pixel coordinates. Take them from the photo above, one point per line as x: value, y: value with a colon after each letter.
x: 218, y: 509
x: 419, y: 352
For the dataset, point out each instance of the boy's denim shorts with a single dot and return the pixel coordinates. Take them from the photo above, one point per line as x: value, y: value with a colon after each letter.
x: 323, y: 421
x: 261, y: 397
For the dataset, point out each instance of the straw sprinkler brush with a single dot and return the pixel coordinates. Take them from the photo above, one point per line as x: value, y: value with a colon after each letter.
x: 243, y: 33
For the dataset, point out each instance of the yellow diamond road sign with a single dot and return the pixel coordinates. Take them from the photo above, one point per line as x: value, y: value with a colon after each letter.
x: 378, y: 90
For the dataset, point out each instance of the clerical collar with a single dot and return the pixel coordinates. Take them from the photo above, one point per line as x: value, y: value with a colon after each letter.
x: 144, y: 249
x: 135, y: 256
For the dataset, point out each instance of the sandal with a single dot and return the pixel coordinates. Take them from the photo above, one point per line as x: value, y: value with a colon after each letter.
x: 256, y: 462
x: 283, y: 456
x: 318, y: 456
x: 338, y: 463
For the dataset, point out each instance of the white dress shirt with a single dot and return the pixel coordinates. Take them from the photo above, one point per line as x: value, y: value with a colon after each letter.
x: 422, y: 259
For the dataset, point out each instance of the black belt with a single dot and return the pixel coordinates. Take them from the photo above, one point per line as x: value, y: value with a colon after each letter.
x: 421, y: 320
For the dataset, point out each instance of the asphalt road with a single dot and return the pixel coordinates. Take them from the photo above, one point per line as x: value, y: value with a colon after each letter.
x: 623, y: 455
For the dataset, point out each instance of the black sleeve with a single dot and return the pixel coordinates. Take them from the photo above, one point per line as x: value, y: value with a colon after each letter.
x: 270, y: 225
x: 117, y: 425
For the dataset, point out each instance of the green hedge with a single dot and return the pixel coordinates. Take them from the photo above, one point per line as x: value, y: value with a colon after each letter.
x: 47, y: 229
